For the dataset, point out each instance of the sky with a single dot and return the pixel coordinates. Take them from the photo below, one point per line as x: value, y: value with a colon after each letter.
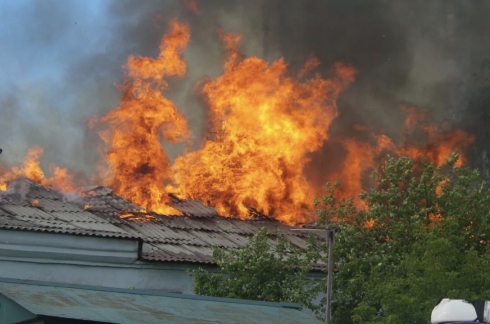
x: 61, y: 61
x: 50, y: 79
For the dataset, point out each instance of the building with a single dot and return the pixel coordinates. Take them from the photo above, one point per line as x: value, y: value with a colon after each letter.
x: 50, y: 303
x: 98, y: 241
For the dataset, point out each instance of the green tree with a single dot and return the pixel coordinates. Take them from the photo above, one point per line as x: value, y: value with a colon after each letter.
x: 420, y: 233
x: 265, y: 269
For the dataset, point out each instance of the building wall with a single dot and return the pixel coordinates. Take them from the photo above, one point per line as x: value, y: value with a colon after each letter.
x: 82, y: 260
x: 90, y: 261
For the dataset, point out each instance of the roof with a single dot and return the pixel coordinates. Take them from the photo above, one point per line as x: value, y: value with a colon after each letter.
x: 100, y: 212
x: 135, y: 306
x: 32, y: 207
x: 192, y: 207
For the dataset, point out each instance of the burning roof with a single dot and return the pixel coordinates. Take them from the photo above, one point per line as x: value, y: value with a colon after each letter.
x: 99, y: 212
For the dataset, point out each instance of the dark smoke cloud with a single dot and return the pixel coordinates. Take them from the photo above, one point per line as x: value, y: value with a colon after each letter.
x: 405, y: 51
x: 418, y: 53
x: 61, y: 62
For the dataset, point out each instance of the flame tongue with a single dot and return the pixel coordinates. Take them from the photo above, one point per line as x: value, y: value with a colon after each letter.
x: 31, y: 169
x: 139, y: 166
x: 264, y: 122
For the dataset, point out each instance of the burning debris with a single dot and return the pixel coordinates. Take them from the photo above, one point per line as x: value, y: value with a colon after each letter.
x: 136, y: 216
x: 255, y: 214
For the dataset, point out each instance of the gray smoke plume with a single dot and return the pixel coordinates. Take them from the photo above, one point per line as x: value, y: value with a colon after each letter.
x: 61, y: 63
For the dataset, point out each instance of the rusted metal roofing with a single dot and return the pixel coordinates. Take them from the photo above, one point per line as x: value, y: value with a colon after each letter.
x: 123, y: 306
x: 99, y: 212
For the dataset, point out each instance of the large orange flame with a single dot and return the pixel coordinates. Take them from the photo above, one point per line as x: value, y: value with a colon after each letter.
x: 138, y: 165
x: 264, y: 122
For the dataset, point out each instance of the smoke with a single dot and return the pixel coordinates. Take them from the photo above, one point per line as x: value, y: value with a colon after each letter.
x: 414, y: 53
x: 44, y: 97
x: 411, y: 52
x: 20, y: 187
x: 61, y: 63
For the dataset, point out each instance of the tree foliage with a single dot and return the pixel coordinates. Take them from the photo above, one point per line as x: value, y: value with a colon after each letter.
x: 420, y: 233
x: 265, y: 269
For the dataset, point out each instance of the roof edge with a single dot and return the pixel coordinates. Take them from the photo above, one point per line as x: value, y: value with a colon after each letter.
x: 153, y: 293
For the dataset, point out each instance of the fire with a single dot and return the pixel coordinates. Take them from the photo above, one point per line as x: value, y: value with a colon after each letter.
x: 264, y: 123
x: 31, y: 169
x: 369, y: 223
x: 137, y: 216
x: 361, y: 157
x: 138, y: 165
x: 436, y: 145
x: 421, y: 139
x: 35, y: 203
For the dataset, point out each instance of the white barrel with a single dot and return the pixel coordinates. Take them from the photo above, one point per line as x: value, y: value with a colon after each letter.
x: 454, y: 310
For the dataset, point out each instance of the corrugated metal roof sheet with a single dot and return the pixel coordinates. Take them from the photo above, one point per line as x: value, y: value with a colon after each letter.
x: 174, y: 252
x: 29, y: 206
x: 131, y: 306
x: 193, y: 208
x: 165, y: 238
x: 28, y: 212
